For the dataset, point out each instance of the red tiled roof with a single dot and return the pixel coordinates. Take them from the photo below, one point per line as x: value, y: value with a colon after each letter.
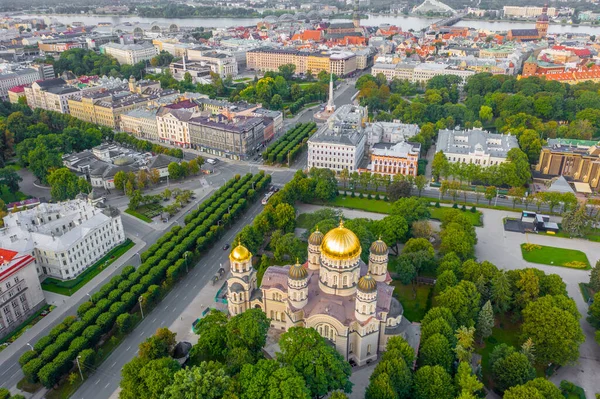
x: 7, y: 255
x: 17, y: 89
x: 185, y: 104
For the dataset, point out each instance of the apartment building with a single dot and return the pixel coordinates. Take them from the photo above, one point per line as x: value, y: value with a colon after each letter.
x: 19, y: 77
x: 141, y: 123
x: 51, y: 95
x: 527, y: 11
x: 20, y: 292
x: 129, y: 53
x: 65, y: 238
x: 199, y: 71
x: 173, y: 125
x: 341, y: 63
x: 340, y: 142
x: 235, y: 138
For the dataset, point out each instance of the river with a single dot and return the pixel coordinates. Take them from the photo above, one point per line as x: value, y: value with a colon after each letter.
x: 405, y: 22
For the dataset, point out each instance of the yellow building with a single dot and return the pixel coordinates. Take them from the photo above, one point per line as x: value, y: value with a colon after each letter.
x: 318, y: 62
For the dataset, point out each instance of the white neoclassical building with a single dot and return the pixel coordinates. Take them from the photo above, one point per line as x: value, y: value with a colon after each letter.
x: 347, y: 301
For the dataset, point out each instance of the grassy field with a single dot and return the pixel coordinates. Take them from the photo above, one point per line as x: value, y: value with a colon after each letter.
x: 554, y: 256
x: 381, y: 206
x: 71, y: 286
x: 414, y: 307
x: 505, y: 332
x: 364, y: 204
x: 138, y: 215
x: 438, y: 214
x: 150, y: 210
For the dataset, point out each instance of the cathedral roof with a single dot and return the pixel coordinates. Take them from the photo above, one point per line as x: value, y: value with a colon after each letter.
x: 240, y: 253
x: 379, y: 248
x: 316, y: 238
x: 340, y: 243
x: 297, y: 272
x: 367, y: 283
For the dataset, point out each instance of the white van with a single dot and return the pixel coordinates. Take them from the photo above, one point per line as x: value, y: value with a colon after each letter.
x: 211, y: 161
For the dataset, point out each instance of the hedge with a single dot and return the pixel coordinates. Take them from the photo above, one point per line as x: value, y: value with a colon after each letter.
x: 163, y: 263
x: 291, y: 142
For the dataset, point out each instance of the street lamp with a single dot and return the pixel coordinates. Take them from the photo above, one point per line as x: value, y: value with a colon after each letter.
x: 185, y: 255
x: 140, y: 299
x: 29, y: 345
x: 139, y: 256
x: 79, y: 367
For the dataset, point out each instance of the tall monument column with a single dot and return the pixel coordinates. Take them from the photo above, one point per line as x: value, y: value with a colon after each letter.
x: 330, y: 104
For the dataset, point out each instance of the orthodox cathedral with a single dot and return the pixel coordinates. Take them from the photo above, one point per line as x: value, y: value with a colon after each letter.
x: 347, y: 301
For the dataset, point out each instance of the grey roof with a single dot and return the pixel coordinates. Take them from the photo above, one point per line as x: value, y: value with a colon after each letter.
x: 561, y: 185
x: 236, y: 287
x: 162, y: 161
x: 343, y: 127
x: 468, y: 141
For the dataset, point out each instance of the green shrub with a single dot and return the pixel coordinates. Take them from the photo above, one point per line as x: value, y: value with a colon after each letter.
x: 455, y: 206
x: 27, y: 357
x: 437, y: 204
x: 473, y: 209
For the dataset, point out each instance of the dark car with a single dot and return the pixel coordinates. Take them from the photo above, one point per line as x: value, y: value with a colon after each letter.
x: 502, y: 196
x: 225, y: 247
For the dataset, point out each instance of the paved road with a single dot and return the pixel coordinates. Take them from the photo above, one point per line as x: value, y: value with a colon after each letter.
x: 11, y: 373
x: 105, y: 380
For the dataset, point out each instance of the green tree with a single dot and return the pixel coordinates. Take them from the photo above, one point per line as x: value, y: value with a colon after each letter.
x: 147, y: 379
x: 466, y: 382
x: 270, y: 379
x: 552, y: 322
x: 509, y: 368
x: 248, y: 330
x: 464, y: 343
x: 485, y: 321
x: 433, y: 382
x: 10, y: 178
x: 212, y: 338
x: 501, y: 292
x: 322, y: 367
x: 175, y: 171
x: 64, y: 184
x: 287, y: 71
x: 120, y: 179
x: 539, y: 388
x: 285, y: 217
x: 463, y: 301
x: 160, y: 345
x: 576, y: 222
x: 411, y: 209
x: 440, y: 165
x: 486, y: 113
x: 595, y: 277
x: 380, y: 387
x: 436, y: 351
x: 531, y: 144
x: 207, y: 380
x: 490, y: 193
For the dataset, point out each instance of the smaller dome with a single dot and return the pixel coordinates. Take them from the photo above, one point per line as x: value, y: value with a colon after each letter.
x: 297, y: 272
x: 367, y: 283
x: 123, y: 160
x: 316, y: 238
x: 379, y: 247
x: 240, y: 253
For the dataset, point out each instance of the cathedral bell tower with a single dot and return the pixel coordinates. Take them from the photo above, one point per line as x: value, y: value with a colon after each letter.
x: 242, y: 282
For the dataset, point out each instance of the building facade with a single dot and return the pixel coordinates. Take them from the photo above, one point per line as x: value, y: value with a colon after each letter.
x: 340, y: 142
x: 221, y: 63
x: 264, y: 59
x: 141, y: 123
x: 129, y: 54
x: 52, y: 95
x: 394, y: 159
x: 19, y: 77
x: 65, y: 238
x: 20, y: 292
x: 475, y: 146
x: 173, y: 125
x: 349, y: 302
x: 235, y: 138
x: 577, y: 160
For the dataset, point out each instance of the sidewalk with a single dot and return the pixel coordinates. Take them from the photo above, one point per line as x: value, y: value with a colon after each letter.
x: 54, y: 317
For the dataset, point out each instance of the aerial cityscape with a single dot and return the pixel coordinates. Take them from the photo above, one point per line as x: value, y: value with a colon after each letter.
x: 289, y: 200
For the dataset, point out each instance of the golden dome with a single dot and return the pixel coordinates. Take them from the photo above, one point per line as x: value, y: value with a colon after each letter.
x: 297, y: 272
x: 240, y: 253
x: 367, y: 283
x: 340, y: 243
x: 379, y: 247
x: 316, y: 237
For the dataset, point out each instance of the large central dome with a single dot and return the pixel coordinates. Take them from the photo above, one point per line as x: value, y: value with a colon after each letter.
x: 340, y: 243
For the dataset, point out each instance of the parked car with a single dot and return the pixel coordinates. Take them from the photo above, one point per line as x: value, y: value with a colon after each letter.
x: 225, y: 247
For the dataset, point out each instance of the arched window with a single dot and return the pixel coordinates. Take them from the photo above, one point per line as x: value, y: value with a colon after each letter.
x: 335, y: 281
x: 345, y: 281
x: 369, y: 349
x: 272, y: 315
x: 364, y: 309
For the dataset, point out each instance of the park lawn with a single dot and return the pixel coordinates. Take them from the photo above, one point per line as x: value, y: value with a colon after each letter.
x: 414, y: 307
x: 504, y: 332
x: 138, y: 215
x: 364, y: 204
x: 438, y: 214
x: 70, y: 287
x: 303, y: 221
x: 554, y: 256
